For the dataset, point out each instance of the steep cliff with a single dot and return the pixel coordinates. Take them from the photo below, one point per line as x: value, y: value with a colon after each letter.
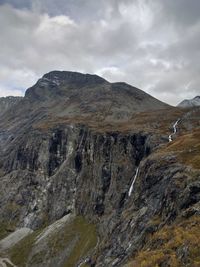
x: 88, y: 174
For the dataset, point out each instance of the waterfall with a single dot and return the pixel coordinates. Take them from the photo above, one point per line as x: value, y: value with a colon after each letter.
x: 174, y: 130
x: 132, y: 184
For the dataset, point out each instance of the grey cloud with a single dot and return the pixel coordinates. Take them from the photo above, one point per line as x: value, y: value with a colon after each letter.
x: 17, y: 3
x: 140, y: 42
x: 182, y: 12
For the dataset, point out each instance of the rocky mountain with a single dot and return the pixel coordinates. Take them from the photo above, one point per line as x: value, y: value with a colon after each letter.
x: 98, y: 174
x: 8, y: 102
x: 74, y: 94
x: 188, y: 103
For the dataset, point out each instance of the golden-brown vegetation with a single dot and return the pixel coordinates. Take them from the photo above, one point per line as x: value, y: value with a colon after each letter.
x: 174, y: 245
x: 187, y: 149
x: 158, y: 121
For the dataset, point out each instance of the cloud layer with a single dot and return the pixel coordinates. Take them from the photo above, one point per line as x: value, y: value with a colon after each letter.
x: 153, y: 45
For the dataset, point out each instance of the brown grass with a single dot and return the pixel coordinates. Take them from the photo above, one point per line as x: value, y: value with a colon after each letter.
x: 159, y: 121
x: 187, y: 149
x: 167, y: 246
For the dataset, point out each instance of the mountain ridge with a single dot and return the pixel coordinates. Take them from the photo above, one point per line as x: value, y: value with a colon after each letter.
x: 194, y: 102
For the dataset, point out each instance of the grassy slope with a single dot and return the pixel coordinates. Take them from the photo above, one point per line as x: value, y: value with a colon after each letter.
x: 176, y: 245
x: 157, y: 122
x: 154, y: 121
x: 57, y: 243
x: 187, y: 149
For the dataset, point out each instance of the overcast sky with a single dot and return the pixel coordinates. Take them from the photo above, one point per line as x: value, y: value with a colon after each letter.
x: 151, y: 44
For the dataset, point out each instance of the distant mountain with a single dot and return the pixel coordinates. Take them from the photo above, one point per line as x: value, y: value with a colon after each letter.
x: 194, y: 102
x: 8, y: 102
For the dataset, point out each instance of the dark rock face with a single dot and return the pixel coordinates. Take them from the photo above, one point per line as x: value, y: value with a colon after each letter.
x: 74, y: 159
x: 113, y: 160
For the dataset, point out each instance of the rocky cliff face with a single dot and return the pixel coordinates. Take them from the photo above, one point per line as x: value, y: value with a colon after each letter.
x: 90, y: 191
x: 70, y: 168
x: 7, y: 102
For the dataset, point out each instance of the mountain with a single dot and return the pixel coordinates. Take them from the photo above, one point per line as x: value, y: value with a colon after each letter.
x: 7, y: 102
x: 77, y: 94
x: 88, y: 177
x: 187, y: 103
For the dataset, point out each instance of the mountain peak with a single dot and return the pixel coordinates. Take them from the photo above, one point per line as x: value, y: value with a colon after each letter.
x: 194, y: 102
x: 52, y: 84
x: 77, y: 94
x: 70, y: 77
